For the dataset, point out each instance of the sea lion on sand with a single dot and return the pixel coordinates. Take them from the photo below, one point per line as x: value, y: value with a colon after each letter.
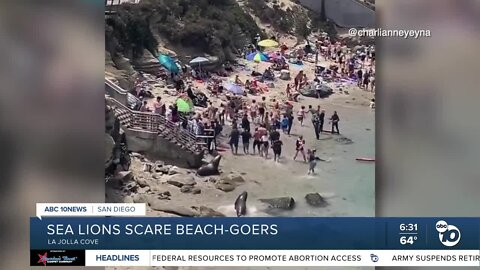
x: 210, y: 168
x: 241, y: 204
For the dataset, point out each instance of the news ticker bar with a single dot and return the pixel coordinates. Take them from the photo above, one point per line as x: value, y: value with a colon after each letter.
x: 150, y: 233
x: 251, y: 258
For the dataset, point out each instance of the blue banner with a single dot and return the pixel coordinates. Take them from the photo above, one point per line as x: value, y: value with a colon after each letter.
x: 149, y: 233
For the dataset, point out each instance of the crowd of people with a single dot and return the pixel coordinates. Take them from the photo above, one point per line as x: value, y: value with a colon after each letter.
x: 356, y: 64
x: 259, y: 125
x: 265, y: 138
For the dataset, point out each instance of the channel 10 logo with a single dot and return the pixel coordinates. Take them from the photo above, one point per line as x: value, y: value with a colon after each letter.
x: 449, y: 235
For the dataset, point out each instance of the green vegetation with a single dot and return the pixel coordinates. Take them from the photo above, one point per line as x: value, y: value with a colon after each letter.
x: 216, y: 27
x: 128, y: 33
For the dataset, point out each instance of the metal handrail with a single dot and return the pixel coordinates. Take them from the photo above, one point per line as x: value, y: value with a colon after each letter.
x: 115, y: 87
x: 155, y: 123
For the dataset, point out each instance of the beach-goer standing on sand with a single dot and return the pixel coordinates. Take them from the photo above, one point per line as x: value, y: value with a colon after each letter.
x: 299, y: 146
x: 290, y: 122
x: 266, y: 121
x: 261, y: 109
x: 334, y: 120
x: 312, y: 161
x: 274, y: 135
x: 265, y: 144
x: 321, y: 120
x: 284, y: 124
x: 221, y: 115
x: 253, y: 111
x: 145, y: 107
x: 366, y: 80
x: 288, y: 91
x: 301, y: 115
x: 316, y: 124
x: 277, y: 150
x: 246, y: 123
x: 359, y: 78
x: 234, y: 137
x: 257, y: 137
x: 246, y: 136
x: 298, y: 79
x: 158, y: 106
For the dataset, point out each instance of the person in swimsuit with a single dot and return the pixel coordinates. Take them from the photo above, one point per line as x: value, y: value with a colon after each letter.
x: 299, y: 146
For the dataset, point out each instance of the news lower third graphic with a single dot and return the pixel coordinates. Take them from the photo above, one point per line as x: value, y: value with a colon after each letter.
x: 123, y: 237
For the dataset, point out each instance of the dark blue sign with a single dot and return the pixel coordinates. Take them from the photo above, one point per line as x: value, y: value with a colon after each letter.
x: 253, y: 233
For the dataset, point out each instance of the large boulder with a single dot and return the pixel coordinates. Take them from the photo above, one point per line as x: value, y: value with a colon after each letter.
x: 225, y: 186
x: 344, y: 140
x: 142, y: 182
x: 140, y: 198
x: 316, y: 200
x: 180, y: 180
x: 232, y: 178
x: 204, y: 211
x: 169, y: 207
x: 310, y: 91
x: 285, y: 203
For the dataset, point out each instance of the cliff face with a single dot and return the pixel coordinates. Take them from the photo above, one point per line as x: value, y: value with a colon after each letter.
x: 215, y: 27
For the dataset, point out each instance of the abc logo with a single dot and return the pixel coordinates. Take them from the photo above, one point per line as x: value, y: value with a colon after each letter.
x: 449, y: 235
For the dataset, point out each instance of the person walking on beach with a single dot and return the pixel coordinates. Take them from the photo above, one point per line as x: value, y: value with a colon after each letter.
x: 321, y: 120
x: 158, y: 106
x: 316, y: 124
x: 245, y: 123
x: 359, y: 78
x: 334, y: 119
x: 301, y: 115
x: 265, y: 145
x: 284, y: 124
x: 246, y: 136
x: 299, y: 146
x: 274, y: 135
x: 277, y: 150
x: 234, y: 137
x: 312, y: 161
x: 257, y: 136
x: 261, y: 109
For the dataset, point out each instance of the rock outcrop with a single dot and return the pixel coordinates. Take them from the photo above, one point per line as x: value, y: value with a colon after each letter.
x: 316, y: 200
x: 117, y: 157
x: 284, y: 203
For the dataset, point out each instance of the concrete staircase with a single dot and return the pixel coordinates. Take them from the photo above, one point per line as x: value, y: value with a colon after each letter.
x: 149, y: 132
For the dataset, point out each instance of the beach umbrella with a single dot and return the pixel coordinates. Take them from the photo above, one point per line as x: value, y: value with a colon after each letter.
x: 199, y: 61
x: 234, y: 88
x: 183, y: 105
x: 257, y: 57
x: 268, y: 43
x: 168, y: 63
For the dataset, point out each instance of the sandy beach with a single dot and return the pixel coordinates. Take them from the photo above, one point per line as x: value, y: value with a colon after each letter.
x: 348, y: 185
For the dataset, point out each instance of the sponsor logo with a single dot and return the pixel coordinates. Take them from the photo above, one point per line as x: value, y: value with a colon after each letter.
x: 57, y: 257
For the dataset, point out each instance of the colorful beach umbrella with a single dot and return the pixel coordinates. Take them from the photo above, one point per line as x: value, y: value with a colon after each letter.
x: 257, y: 57
x: 184, y: 106
x: 199, y: 61
x: 268, y: 43
x: 168, y: 63
x: 234, y: 88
